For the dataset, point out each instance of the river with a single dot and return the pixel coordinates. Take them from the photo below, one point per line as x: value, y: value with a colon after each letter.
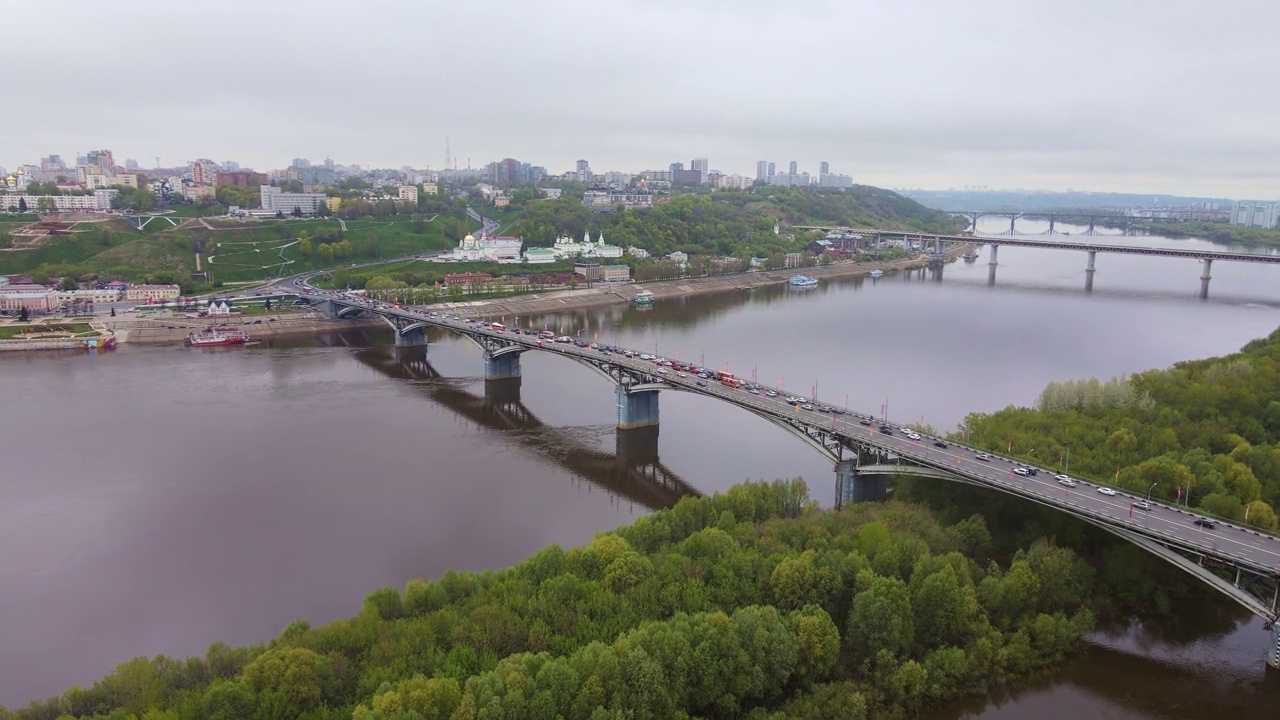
x: 159, y: 499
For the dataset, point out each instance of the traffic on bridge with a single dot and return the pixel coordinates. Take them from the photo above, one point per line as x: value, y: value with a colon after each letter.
x: 1239, y: 561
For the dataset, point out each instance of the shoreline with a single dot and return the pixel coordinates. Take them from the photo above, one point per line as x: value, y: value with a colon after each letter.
x: 620, y: 293
x: 174, y: 330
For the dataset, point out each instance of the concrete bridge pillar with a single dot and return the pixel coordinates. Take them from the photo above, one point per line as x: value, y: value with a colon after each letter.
x: 1089, y: 270
x: 1051, y: 221
x: 416, y: 337
x: 327, y: 308
x: 854, y: 488
x: 1012, y: 220
x: 637, y: 409
x: 501, y: 367
x: 1273, y: 650
x: 995, y: 253
x: 1205, y: 277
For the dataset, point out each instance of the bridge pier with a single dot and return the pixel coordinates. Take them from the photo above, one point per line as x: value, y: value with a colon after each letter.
x: 1012, y: 220
x: 1273, y: 651
x: 995, y: 253
x: 1089, y: 270
x: 854, y: 488
x: 637, y: 409
x: 1205, y: 277
x: 503, y: 366
x: 416, y: 337
x: 328, y: 309
x: 1051, y: 222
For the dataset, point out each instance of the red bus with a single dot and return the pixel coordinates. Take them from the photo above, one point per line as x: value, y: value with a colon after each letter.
x: 721, y: 375
x: 731, y: 381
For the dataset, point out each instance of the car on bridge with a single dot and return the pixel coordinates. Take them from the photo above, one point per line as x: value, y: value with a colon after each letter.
x: 1106, y: 491
x: 1142, y: 505
x: 865, y: 421
x: 1205, y: 523
x: 983, y: 457
x: 1023, y: 472
x: 940, y: 443
x: 1067, y: 482
x: 886, y: 430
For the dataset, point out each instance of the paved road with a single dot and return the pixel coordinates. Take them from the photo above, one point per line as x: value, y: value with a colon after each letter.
x: 1244, y: 546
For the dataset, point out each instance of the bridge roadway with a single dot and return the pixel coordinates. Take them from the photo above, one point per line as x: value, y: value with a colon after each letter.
x: 1062, y: 245
x: 1240, y: 562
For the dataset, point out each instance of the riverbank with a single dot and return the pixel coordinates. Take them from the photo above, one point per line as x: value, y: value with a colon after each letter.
x: 173, y: 330
x: 601, y: 295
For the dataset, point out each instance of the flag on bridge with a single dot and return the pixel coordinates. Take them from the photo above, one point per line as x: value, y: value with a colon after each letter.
x: 1179, y: 494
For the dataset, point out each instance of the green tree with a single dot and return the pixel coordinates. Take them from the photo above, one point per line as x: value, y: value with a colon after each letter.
x: 22, y: 204
x: 24, y: 315
x: 881, y: 619
x: 300, y: 674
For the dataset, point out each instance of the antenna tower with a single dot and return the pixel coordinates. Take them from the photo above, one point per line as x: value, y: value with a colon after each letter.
x: 448, y: 157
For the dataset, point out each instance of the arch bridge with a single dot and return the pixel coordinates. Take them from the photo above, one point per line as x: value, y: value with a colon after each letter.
x: 867, y: 453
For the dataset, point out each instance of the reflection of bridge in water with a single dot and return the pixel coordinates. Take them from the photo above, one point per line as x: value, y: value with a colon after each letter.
x: 633, y: 472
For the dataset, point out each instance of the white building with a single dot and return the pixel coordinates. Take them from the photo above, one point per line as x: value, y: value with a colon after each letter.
x: 71, y: 297
x: 539, y: 256
x: 566, y: 247
x: 276, y: 200
x: 638, y: 252
x: 496, y: 249
x: 409, y: 193
x: 550, y: 193
x: 1255, y: 214
x: 100, y: 200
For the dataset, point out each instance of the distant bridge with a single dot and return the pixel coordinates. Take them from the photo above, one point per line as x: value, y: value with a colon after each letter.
x: 939, y: 241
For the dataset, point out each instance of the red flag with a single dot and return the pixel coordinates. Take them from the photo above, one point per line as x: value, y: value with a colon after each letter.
x: 1117, y: 476
x: 1179, y: 493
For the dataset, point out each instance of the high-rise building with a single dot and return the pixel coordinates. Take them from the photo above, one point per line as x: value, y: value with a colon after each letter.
x: 204, y: 172
x: 103, y: 159
x: 130, y: 164
x: 584, y: 172
x: 824, y: 167
x: 703, y: 166
x: 762, y: 170
x: 52, y: 163
x: 793, y: 168
x: 773, y: 170
x: 230, y: 165
x: 676, y: 167
x: 1256, y: 214
x: 300, y: 163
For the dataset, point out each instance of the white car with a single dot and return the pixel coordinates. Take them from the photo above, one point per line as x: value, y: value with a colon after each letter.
x: 1067, y: 482
x: 1106, y: 491
x: 913, y: 435
x: 660, y: 370
x: 1020, y: 471
x: 982, y: 456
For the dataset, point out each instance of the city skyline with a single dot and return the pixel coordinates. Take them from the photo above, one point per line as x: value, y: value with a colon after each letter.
x: 1004, y: 95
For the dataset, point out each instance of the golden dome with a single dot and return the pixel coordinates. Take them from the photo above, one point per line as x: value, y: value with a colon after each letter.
x: 469, y: 238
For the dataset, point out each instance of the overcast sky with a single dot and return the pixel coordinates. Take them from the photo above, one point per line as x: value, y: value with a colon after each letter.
x: 1120, y: 95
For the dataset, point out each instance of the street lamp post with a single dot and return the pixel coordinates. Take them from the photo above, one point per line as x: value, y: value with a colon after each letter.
x: 1153, y: 487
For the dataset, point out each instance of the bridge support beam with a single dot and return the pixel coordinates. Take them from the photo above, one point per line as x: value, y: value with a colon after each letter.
x: 1012, y: 220
x: 328, y: 309
x: 1052, y: 219
x: 1089, y: 270
x: 995, y: 254
x: 854, y: 488
x: 501, y: 367
x: 416, y: 337
x: 1273, y: 650
x: 1205, y: 277
x: 637, y: 409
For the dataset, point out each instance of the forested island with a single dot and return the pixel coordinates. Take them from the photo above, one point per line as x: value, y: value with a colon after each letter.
x: 752, y: 603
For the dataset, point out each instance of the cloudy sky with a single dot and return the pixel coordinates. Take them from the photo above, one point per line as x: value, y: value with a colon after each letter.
x: 1122, y: 95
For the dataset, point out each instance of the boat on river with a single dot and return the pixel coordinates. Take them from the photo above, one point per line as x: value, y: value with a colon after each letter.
x: 876, y: 273
x: 216, y: 336
x: 644, y: 297
x: 971, y: 255
x: 803, y: 281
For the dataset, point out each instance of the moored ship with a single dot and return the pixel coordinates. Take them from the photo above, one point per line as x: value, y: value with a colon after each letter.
x: 876, y: 273
x: 211, y: 337
x: 644, y: 297
x: 803, y: 281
